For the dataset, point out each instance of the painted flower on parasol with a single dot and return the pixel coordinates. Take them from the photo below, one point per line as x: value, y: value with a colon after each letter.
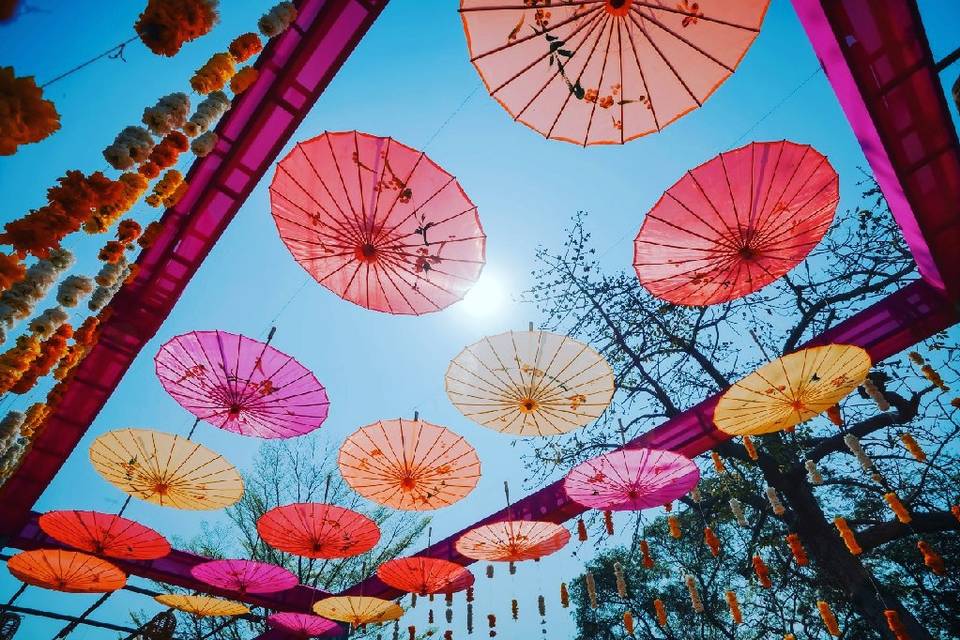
x: 423, y: 575
x: 358, y: 610
x: 241, y: 385
x: 409, y: 464
x: 631, y: 479
x: 244, y: 576
x: 736, y: 223
x: 70, y: 571
x: 104, y: 534
x: 530, y: 383
x: 202, y: 606
x: 166, y: 469
x: 304, y: 625
x: 791, y: 389
x: 315, y: 530
x: 378, y: 223
x: 606, y: 71
x: 513, y: 541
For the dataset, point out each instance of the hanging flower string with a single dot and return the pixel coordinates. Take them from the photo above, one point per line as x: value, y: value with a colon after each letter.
x: 829, y: 620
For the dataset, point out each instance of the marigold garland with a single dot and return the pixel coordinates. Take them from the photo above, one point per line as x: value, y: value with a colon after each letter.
x: 243, y: 80
x: 448, y: 635
x: 131, y: 146
x: 165, y: 188
x: 849, y: 538
x: 751, y: 448
x: 51, y: 351
x: 718, y: 462
x: 12, y: 270
x: 796, y: 548
x: 661, y: 612
x: 628, y: 622
x: 931, y: 558
x: 736, y: 508
x: 762, y: 572
x: 695, y: 494
x: 165, y: 25
x: 169, y: 114
x: 647, y: 560
x: 621, y: 580
x: 490, y: 571
x: 813, y: 473
x: 278, y: 19
x: 829, y: 620
x: 834, y: 415
x: 470, y: 618
x: 166, y: 154
x: 564, y: 595
x: 608, y: 522
x: 17, y: 360
x: 874, y: 393
x: 245, y: 46
x: 492, y: 623
x: 542, y: 605
x: 25, y: 116
x: 591, y: 589
x: 955, y: 510
x: 712, y: 541
x: 412, y: 631
x: 734, y: 605
x: 515, y: 609
x: 204, y: 144
x: 674, y: 525
x: 911, y: 445
x: 150, y: 234
x: 853, y: 443
x: 930, y: 374
x: 774, y: 500
x: 581, y: 530
x: 898, y: 508
x: 214, y: 74
x: 694, y: 594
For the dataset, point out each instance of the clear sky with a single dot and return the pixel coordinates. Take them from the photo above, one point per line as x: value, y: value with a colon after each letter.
x: 408, y: 77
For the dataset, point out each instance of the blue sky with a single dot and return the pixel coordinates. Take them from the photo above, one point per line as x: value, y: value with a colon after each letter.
x: 406, y: 79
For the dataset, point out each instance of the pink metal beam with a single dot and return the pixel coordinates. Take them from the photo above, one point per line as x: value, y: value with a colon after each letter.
x: 294, y: 70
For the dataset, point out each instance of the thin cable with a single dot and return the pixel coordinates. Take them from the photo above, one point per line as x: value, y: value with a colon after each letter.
x: 452, y: 116
x: 113, y: 52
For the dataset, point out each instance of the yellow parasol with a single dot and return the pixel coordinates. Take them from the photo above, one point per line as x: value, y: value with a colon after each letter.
x: 358, y: 610
x: 202, y: 606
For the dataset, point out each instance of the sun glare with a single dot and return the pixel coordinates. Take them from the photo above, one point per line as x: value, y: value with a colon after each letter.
x: 486, y: 298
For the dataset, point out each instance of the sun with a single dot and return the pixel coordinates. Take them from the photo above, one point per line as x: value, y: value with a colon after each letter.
x: 486, y: 298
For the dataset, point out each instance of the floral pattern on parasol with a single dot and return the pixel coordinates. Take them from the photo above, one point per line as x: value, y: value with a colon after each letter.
x: 69, y: 571
x: 315, y: 530
x: 104, y: 534
x: 513, y: 541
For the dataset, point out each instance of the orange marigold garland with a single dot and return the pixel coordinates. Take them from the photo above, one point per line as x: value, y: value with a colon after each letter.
x: 492, y: 623
x: 165, y: 25
x: 955, y: 510
x: 19, y: 301
x: 591, y: 589
x: 131, y: 146
x: 712, y: 541
x: 11, y: 270
x: 168, y: 114
x: 25, y: 116
x: 911, y: 445
x: 150, y: 234
x: 278, y: 19
x: 762, y: 572
x: 564, y: 595
x: 51, y: 351
x: 694, y: 594
x: 674, y: 526
x: 734, y: 605
x: 898, y: 508
x: 931, y: 558
x: 661, y: 612
x: 848, y: 536
x: 581, y: 530
x: 131, y: 187
x: 166, y: 154
x: 829, y: 620
x: 515, y: 609
x: 17, y: 360
x: 621, y: 579
x: 647, y: 560
x: 751, y: 448
x: 833, y: 413
x: 243, y: 79
x: 718, y: 462
x: 165, y: 188
x: 214, y: 74
x: 628, y: 622
x: 245, y: 47
x: 796, y: 548
x: 608, y: 522
x: 895, y: 625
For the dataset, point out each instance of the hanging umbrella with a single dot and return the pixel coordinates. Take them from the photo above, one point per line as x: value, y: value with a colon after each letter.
x: 631, y: 479
x: 378, y: 223
x: 513, y: 541
x: 409, y: 464
x: 422, y: 575
x: 315, y: 530
x: 530, y: 383
x: 736, y: 223
x: 166, y: 469
x: 70, y: 571
x: 241, y: 385
x: 104, y: 534
x: 304, y: 625
x: 358, y: 610
x: 202, y: 606
x: 791, y: 389
x: 606, y: 71
x: 244, y: 576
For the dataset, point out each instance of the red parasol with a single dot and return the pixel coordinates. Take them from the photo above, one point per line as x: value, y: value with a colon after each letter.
x: 423, y: 575
x: 606, y: 71
x: 104, y: 534
x: 378, y: 223
x: 244, y: 576
x: 241, y: 385
x: 513, y: 541
x: 631, y: 479
x: 304, y: 625
x: 736, y: 223
x: 315, y: 530
x: 69, y: 571
x: 409, y: 464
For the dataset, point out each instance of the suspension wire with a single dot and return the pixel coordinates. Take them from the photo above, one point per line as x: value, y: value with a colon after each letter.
x: 73, y: 624
x: 115, y: 53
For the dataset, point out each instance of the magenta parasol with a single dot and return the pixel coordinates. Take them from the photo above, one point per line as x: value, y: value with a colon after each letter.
x: 244, y: 576
x: 305, y: 625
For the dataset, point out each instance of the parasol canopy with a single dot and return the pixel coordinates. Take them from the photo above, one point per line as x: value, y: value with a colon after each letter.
x: 423, y: 575
x: 409, y: 464
x: 315, y: 530
x: 244, y: 576
x: 378, y: 223
x: 736, y: 223
x: 202, y: 606
x: 513, y: 541
x: 791, y: 389
x: 631, y: 479
x: 606, y: 71
x: 358, y: 610
x: 530, y: 383
x: 304, y: 625
x: 70, y: 571
x: 166, y: 469
x: 241, y: 385
x: 104, y: 534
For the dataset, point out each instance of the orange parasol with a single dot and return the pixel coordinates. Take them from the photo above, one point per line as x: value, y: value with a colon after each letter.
x: 358, y: 610
x: 791, y: 389
x: 606, y: 71
x: 104, y: 534
x: 202, y: 606
x: 315, y: 530
x: 166, y: 469
x: 530, y: 383
x: 513, y: 541
x: 423, y: 575
x: 70, y: 571
x: 409, y: 464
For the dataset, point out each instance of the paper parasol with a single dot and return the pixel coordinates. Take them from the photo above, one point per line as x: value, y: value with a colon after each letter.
x: 202, y: 606
x: 513, y: 541
x: 69, y: 571
x: 606, y: 71
x: 422, y: 575
x: 315, y: 530
x: 166, y: 469
x: 104, y: 534
x: 631, y: 479
x: 244, y: 576
x: 304, y: 625
x: 358, y: 610
x: 530, y: 383
x: 378, y: 223
x: 241, y: 385
x: 791, y: 389
x: 736, y: 223
x: 409, y: 464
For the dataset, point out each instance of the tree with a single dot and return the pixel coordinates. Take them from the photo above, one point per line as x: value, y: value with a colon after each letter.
x: 668, y: 357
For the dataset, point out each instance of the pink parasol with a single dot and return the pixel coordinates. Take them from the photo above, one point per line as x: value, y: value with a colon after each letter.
x: 631, y: 479
x: 241, y: 385
x: 244, y: 576
x: 104, y: 534
x: 315, y: 530
x: 422, y: 575
x: 304, y: 625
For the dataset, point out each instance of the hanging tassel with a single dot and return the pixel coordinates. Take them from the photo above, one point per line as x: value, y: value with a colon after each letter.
x: 515, y: 609
x: 848, y: 536
x: 492, y: 623
x: 489, y: 570
x: 647, y: 561
x: 789, y: 636
x: 930, y: 374
x: 813, y: 474
x: 591, y: 589
x: 542, y: 606
x: 513, y: 568
x: 853, y: 443
x: 774, y: 499
x: 413, y: 600
x: 718, y: 462
x: 621, y: 581
x: 608, y: 522
x: 763, y: 573
x: 668, y: 507
x: 448, y: 635
x: 449, y: 616
x: 955, y: 510
x: 674, y: 525
x: 734, y: 607
x: 736, y: 508
x: 896, y: 627
x: 712, y: 541
x: 932, y: 559
x: 470, y: 593
x: 833, y: 413
x: 751, y: 448
x: 695, y: 495
x: 829, y: 620
x: 470, y: 618
x: 564, y: 596
x: 412, y: 630
x: 448, y: 600
x: 897, y: 507
x: 396, y: 630
x: 694, y: 595
x: 661, y: 611
x: 876, y: 395
x: 581, y: 530
x: 916, y: 358
x: 628, y: 622
x: 911, y: 444
x: 430, y: 616
x: 796, y: 547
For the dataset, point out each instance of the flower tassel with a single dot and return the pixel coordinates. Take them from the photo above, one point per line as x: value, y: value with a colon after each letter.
x: 647, y: 561
x: 762, y: 572
x: 853, y: 443
x: 898, y: 508
x: 751, y: 448
x: 674, y: 525
x: 735, y: 612
x: 628, y: 622
x: 492, y: 623
x: 712, y: 541
x: 581, y: 530
x: 661, y: 611
x: 829, y: 620
x: 796, y: 547
x: 694, y: 594
x: 591, y: 589
x: 775, y: 503
x: 718, y: 462
x: 564, y: 596
x: 608, y: 522
x: 515, y: 609
x: 833, y: 413
x: 848, y: 536
x: 895, y: 625
x: 813, y: 473
x: 932, y: 559
x: 911, y: 445
x: 876, y: 395
x: 621, y: 580
x: 736, y: 508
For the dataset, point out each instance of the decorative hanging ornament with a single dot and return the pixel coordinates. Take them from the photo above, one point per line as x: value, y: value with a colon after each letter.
x: 68, y: 571
x: 513, y: 541
x: 791, y: 390
x: 104, y: 534
x: 423, y: 576
x: 530, y: 383
x: 358, y: 610
x: 304, y: 625
x: 631, y: 479
x: 202, y: 606
x: 378, y: 223
x: 315, y: 530
x: 244, y: 576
